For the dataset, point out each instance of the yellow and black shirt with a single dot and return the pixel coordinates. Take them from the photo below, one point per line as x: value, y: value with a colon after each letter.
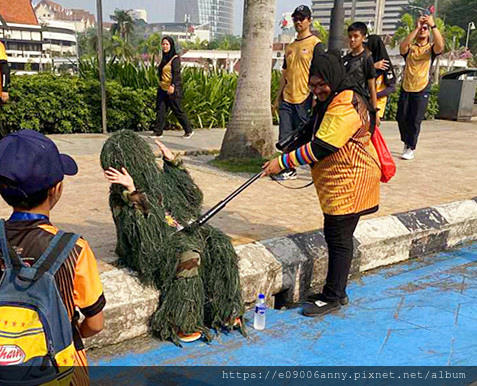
x: 4, y: 69
x: 171, y: 74
x: 417, y: 71
x: 77, y: 279
x: 347, y: 178
x: 297, y: 63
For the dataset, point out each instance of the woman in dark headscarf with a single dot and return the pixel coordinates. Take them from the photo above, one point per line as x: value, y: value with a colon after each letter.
x: 385, y: 79
x: 169, y: 93
x: 345, y: 170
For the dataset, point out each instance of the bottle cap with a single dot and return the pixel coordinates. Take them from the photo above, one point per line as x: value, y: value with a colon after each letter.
x: 261, y: 296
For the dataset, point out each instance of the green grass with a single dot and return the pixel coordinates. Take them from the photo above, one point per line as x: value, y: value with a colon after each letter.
x: 241, y: 165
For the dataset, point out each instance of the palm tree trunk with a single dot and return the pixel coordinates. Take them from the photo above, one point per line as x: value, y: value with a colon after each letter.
x: 250, y: 131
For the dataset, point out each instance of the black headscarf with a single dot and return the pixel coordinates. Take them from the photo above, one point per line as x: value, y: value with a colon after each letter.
x: 330, y: 67
x: 166, y: 57
x: 378, y: 51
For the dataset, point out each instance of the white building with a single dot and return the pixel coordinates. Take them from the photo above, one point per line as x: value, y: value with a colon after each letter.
x: 382, y: 16
x: 79, y: 19
x: 181, y: 31
x: 138, y: 14
x: 21, y: 34
x: 32, y: 44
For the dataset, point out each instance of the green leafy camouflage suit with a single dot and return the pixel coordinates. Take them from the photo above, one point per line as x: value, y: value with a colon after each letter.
x: 195, y: 269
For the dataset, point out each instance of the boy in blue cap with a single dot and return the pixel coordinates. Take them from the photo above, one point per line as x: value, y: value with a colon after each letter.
x: 31, y: 182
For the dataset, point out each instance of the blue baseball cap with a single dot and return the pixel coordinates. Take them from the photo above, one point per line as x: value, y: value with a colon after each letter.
x: 32, y: 162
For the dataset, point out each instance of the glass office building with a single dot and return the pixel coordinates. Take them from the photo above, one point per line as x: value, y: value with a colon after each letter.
x: 218, y: 14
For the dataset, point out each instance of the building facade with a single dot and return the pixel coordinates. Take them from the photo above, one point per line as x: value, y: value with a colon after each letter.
x: 217, y: 14
x: 22, y: 35
x: 180, y: 31
x: 79, y: 19
x: 381, y: 16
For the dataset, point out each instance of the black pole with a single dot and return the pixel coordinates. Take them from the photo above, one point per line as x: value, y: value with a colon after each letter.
x: 221, y: 205
x: 337, y: 25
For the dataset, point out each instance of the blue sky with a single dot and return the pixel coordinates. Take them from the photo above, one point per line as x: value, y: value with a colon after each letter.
x: 163, y: 10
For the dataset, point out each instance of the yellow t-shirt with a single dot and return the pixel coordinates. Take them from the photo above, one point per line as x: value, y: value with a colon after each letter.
x: 3, y: 56
x: 298, y: 58
x: 417, y: 70
x: 380, y: 86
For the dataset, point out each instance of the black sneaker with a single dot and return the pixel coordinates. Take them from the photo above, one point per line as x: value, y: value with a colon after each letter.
x: 312, y: 298
x: 320, y: 307
x: 289, y: 174
x: 188, y: 135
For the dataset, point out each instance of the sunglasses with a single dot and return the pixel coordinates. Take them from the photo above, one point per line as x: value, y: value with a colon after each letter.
x: 298, y: 18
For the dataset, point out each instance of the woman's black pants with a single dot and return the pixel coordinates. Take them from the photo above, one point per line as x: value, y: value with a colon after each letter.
x: 174, y: 102
x: 339, y: 238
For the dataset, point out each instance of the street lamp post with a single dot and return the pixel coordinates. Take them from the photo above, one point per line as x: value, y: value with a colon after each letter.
x: 337, y: 25
x: 102, y: 75
x: 470, y: 27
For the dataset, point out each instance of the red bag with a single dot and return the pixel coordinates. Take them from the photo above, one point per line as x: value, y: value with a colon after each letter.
x: 388, y: 167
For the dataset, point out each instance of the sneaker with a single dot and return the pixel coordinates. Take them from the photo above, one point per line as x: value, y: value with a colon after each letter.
x: 312, y: 298
x: 188, y: 135
x: 289, y: 174
x: 408, y: 154
x: 154, y: 136
x: 320, y: 307
x: 188, y: 338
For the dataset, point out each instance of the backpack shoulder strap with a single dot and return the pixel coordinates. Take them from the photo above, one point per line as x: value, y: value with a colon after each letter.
x: 52, y: 258
x: 4, y: 245
x: 8, y: 254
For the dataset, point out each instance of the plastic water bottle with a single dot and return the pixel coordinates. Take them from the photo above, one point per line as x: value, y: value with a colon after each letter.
x: 260, y: 308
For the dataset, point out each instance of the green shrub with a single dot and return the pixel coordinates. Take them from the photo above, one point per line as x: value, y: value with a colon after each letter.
x: 68, y: 104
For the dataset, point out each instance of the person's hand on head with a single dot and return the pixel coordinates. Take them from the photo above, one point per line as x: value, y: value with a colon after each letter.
x: 421, y: 21
x: 271, y: 168
x: 383, y: 64
x: 429, y: 20
x: 120, y: 177
x: 166, y: 153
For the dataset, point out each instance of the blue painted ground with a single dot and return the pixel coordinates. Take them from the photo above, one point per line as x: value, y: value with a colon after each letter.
x: 421, y: 313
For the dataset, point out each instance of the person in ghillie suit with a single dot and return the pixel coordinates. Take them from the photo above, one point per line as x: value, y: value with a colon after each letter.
x: 194, y: 268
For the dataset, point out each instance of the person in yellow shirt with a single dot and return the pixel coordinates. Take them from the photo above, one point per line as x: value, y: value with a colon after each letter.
x: 385, y: 76
x: 4, y: 81
x: 294, y: 98
x: 416, y: 84
x: 169, y: 93
x: 345, y: 170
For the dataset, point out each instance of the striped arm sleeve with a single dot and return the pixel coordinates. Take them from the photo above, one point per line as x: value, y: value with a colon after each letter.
x: 307, y: 154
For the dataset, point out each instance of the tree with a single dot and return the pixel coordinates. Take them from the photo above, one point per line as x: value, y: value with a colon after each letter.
x: 124, y: 24
x: 323, y: 33
x: 250, y: 131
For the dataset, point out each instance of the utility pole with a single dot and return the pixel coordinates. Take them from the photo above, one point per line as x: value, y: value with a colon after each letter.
x: 102, y: 75
x: 353, y: 10
x: 337, y: 25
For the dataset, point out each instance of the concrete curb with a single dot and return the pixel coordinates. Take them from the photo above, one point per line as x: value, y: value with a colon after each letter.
x: 286, y: 268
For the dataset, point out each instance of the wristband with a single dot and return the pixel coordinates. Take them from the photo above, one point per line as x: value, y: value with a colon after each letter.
x: 434, y: 26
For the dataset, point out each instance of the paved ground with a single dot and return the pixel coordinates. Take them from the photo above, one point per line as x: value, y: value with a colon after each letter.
x: 443, y: 171
x: 419, y: 313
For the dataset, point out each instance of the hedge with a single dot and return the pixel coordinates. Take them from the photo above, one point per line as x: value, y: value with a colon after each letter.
x: 70, y: 104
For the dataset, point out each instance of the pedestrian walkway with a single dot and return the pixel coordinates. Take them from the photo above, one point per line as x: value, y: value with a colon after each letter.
x: 443, y: 171
x: 419, y: 313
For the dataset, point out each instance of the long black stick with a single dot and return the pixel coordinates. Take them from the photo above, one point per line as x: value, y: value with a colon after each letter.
x: 221, y: 205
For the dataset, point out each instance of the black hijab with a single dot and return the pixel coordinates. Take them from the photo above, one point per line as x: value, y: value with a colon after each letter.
x: 378, y: 52
x: 166, y: 57
x: 330, y: 67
